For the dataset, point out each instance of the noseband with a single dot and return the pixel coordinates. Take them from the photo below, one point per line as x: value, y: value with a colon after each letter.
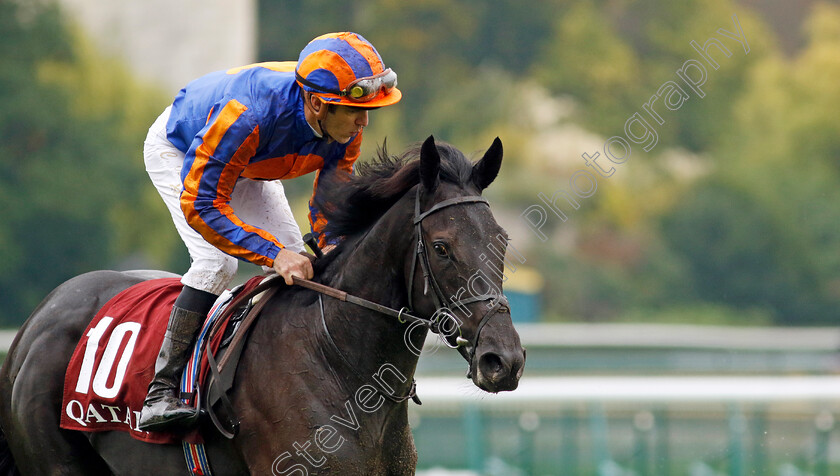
x: 443, y: 313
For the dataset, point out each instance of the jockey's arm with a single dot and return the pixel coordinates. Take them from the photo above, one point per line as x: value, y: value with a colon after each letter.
x: 213, y: 164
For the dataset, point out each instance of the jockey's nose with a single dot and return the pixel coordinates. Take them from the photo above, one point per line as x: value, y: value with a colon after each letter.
x: 362, y: 118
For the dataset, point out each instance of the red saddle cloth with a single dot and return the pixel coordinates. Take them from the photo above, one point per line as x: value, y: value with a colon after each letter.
x: 110, y: 371
x: 109, y: 374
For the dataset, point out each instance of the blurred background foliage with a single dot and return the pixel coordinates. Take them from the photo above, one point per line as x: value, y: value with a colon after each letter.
x: 733, y: 218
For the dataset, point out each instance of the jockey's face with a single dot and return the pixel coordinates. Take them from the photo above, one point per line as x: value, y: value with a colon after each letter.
x: 337, y: 123
x: 341, y: 123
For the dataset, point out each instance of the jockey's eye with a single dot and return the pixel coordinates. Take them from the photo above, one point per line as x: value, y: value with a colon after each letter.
x: 441, y: 249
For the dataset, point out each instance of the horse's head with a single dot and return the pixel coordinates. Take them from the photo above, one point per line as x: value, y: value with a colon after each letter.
x: 456, y: 273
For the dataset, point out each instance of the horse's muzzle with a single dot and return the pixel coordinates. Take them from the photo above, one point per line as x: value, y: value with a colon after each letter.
x: 499, y: 371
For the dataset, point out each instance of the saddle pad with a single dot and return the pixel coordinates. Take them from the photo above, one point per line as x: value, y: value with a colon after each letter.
x: 109, y: 373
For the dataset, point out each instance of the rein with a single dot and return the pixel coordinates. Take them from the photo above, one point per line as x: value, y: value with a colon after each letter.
x: 401, y: 315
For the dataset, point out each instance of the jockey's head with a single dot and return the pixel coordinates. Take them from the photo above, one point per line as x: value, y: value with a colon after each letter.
x: 345, y: 69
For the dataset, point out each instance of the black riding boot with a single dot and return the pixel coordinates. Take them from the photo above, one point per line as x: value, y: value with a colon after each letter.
x: 162, y: 408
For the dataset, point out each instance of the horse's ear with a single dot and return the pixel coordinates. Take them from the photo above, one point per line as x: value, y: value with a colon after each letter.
x: 486, y: 170
x: 429, y: 164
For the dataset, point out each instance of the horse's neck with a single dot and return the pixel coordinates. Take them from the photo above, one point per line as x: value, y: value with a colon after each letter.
x: 374, y: 269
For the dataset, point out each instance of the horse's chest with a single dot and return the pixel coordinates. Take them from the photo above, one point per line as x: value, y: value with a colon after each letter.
x: 336, y: 436
x: 325, y: 452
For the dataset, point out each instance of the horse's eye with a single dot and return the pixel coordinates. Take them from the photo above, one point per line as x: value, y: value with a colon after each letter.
x: 441, y: 249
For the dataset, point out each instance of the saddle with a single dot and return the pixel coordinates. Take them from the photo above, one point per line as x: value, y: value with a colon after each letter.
x: 108, y: 376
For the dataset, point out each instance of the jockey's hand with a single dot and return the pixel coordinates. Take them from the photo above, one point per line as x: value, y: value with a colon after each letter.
x: 309, y: 256
x: 288, y: 263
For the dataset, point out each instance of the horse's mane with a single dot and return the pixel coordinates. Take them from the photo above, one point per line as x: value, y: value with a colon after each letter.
x: 352, y: 204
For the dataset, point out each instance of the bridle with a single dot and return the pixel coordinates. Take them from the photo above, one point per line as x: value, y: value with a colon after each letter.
x: 443, y: 313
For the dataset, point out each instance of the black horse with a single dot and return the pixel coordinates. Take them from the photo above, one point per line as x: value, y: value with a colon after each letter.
x: 322, y: 386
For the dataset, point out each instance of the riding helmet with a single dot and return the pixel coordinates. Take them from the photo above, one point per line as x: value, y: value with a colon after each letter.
x: 344, y: 68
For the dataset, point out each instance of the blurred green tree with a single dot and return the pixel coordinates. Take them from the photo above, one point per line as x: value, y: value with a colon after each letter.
x: 781, y: 151
x: 612, y: 57
x: 740, y: 254
x: 70, y: 152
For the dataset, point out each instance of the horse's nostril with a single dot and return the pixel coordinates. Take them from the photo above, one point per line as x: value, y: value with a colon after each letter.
x: 491, y: 364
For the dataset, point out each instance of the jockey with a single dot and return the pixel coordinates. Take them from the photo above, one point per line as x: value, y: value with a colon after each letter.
x: 216, y: 156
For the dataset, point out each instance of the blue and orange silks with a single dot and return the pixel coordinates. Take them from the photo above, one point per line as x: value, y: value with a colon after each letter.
x: 255, y: 129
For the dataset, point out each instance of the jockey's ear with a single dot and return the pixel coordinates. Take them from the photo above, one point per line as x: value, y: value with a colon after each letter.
x: 486, y: 169
x: 429, y: 164
x: 317, y: 105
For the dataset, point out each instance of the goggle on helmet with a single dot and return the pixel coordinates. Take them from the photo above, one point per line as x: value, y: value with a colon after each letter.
x: 344, y: 68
